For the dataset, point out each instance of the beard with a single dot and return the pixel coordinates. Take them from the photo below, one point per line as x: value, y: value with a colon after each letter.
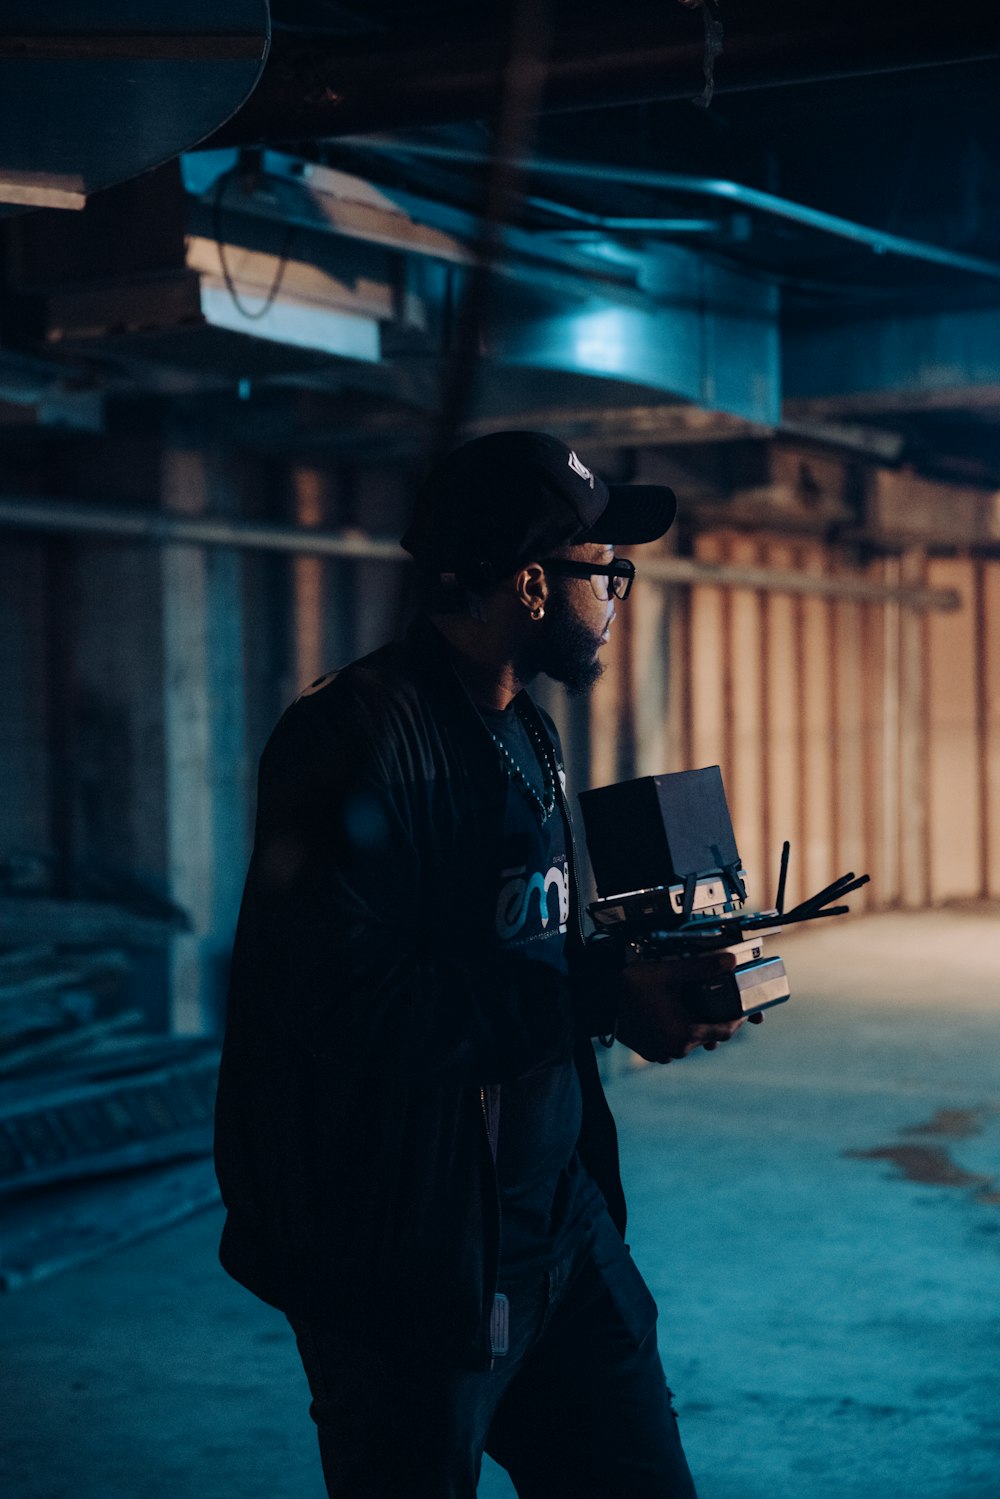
x: 565, y: 649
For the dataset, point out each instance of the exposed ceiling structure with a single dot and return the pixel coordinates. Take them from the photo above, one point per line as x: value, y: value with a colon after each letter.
x: 698, y: 224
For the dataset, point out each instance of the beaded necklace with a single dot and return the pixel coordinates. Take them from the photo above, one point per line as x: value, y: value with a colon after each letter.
x: 543, y: 806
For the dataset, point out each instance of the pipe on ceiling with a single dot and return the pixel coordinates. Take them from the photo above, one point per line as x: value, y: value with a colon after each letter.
x: 717, y: 188
x: 74, y: 517
x: 315, y: 88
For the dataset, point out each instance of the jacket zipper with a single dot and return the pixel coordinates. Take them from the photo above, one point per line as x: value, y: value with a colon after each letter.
x: 490, y: 1302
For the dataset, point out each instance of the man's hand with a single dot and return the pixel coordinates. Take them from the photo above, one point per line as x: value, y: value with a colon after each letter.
x: 653, y: 1019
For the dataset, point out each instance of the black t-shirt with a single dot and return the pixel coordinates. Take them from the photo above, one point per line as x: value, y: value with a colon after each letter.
x: 544, y: 1189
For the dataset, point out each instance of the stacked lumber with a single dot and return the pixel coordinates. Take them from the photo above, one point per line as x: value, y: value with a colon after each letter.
x: 64, y: 971
x: 48, y: 995
x: 110, y: 1146
x: 60, y: 1128
x: 47, y: 1233
x: 31, y: 920
x: 105, y: 1126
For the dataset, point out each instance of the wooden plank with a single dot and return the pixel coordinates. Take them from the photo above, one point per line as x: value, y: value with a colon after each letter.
x: 884, y: 706
x: 54, y: 1091
x: 137, y: 1155
x: 871, y: 679
x: 706, y: 644
x: 816, y: 768
x: 745, y: 769
x: 606, y: 705
x: 54, y: 1013
x: 678, y: 739
x: 913, y: 845
x: 95, y: 1127
x: 624, y: 631
x: 78, y: 923
x: 23, y: 957
x: 67, y: 1043
x: 68, y: 973
x: 648, y: 610
x: 114, y: 1054
x: 954, y: 779
x: 782, y: 721
x: 849, y: 851
x: 309, y: 578
x: 989, y: 645
x: 44, y: 1236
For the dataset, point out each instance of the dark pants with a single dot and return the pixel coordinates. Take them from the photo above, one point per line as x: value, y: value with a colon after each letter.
x: 578, y: 1406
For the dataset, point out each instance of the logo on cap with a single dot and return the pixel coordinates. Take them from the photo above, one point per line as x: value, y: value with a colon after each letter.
x: 579, y: 468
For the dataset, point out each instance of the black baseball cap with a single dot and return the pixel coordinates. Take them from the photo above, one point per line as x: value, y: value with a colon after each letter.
x: 513, y: 497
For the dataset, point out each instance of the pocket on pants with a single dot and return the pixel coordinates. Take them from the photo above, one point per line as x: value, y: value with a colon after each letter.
x: 631, y: 1297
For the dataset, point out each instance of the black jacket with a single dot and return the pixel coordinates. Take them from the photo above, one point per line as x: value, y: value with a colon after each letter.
x: 373, y: 1015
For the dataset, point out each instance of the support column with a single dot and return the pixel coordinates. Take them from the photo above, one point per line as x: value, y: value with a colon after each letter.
x: 204, y: 738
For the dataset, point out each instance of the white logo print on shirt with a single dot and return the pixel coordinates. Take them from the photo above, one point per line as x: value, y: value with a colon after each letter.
x: 514, y: 900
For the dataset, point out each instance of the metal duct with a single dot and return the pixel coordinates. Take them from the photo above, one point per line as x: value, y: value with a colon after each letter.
x: 315, y: 88
x: 94, y: 94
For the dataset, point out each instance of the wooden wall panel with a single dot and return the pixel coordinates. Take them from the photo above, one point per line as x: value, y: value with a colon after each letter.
x: 871, y: 688
x: 882, y: 702
x: 954, y: 784
x: 816, y: 837
x: 707, y: 710
x: 648, y: 611
x: 848, y: 849
x: 309, y: 582
x: 678, y: 727
x: 606, y: 709
x: 866, y: 733
x: 743, y: 678
x: 911, y: 788
x: 782, y: 698
x: 989, y: 626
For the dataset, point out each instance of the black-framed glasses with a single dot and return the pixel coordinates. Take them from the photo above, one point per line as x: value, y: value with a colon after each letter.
x: 615, y: 578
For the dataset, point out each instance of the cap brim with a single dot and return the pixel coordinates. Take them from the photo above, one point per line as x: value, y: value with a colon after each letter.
x: 634, y: 513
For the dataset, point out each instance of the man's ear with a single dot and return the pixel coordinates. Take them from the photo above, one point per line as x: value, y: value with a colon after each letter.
x: 531, y: 588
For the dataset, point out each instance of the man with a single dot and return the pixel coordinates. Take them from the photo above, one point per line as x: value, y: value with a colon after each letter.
x: 416, y: 1155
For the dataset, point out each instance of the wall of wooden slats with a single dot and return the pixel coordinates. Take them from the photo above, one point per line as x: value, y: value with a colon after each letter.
x: 868, y: 734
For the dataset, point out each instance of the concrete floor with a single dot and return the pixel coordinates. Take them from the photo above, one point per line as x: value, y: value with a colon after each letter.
x: 817, y: 1209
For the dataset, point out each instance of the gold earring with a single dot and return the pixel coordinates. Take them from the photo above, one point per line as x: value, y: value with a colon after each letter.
x: 538, y: 612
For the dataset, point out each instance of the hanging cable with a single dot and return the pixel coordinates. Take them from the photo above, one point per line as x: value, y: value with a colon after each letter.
x: 252, y: 314
x: 711, y: 16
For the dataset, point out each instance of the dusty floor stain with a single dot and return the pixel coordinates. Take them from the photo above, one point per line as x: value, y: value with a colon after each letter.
x: 959, y: 1124
x: 933, y: 1165
x: 930, y: 1164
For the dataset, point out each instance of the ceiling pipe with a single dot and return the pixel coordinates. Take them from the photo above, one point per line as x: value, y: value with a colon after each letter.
x: 74, y: 517
x: 316, y: 88
x: 717, y: 188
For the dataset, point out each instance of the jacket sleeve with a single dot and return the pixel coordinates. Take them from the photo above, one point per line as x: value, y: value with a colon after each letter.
x: 331, y: 928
